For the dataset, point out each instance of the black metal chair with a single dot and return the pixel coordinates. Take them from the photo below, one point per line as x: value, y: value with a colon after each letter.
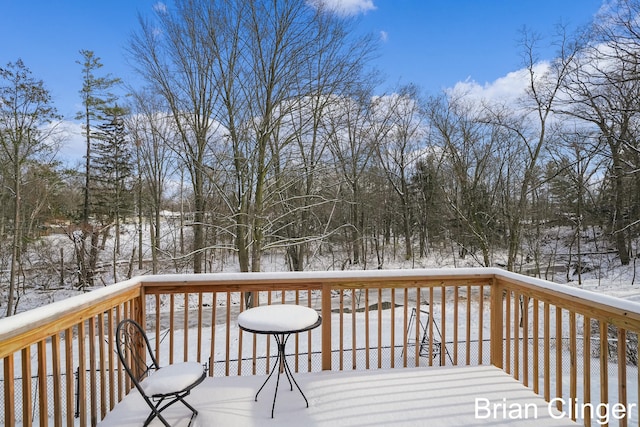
x: 159, y: 387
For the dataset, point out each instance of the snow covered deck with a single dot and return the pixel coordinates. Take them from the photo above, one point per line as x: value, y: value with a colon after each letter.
x: 442, y: 396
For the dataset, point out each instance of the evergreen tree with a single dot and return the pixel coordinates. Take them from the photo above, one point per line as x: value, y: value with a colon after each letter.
x: 97, y: 98
x: 112, y: 167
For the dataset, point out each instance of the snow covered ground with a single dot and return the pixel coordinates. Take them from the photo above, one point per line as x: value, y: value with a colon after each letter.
x: 602, y: 273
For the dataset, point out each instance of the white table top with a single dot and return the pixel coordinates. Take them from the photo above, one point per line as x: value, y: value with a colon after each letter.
x: 278, y: 318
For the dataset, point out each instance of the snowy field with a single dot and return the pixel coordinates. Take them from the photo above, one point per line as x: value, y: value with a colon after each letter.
x: 602, y: 273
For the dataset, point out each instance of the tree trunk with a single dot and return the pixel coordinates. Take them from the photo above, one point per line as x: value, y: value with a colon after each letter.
x: 618, y: 215
x: 355, y: 233
x: 15, y: 250
x: 198, y: 219
x: 406, y: 222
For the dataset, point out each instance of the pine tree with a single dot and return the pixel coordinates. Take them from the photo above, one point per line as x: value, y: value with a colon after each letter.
x: 112, y: 168
x: 97, y: 98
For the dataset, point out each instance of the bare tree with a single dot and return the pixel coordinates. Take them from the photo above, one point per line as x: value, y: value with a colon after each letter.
x: 153, y: 135
x: 25, y: 113
x: 353, y: 140
x: 529, y: 129
x: 305, y: 184
x: 428, y: 199
x: 173, y: 55
x: 574, y: 168
x: 300, y: 191
x: 231, y: 73
x: 275, y: 57
x: 473, y: 155
x: 604, y: 91
x: 401, y: 118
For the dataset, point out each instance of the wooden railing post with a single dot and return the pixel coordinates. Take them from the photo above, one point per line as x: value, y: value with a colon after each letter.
x: 138, y: 313
x: 326, y: 326
x: 497, y: 324
x: 139, y: 309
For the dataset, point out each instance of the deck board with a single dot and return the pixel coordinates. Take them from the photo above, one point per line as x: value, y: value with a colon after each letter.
x: 440, y: 396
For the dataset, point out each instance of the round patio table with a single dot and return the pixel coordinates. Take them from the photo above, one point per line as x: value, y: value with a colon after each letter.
x: 281, y: 321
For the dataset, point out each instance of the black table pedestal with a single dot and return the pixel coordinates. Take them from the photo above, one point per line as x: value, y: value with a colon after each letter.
x: 281, y: 365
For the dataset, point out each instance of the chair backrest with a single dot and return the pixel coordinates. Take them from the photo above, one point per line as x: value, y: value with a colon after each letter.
x: 135, y: 351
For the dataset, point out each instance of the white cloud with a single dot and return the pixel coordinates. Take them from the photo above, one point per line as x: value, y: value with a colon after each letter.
x: 73, y: 143
x: 384, y: 36
x: 160, y: 7
x: 504, y: 90
x: 344, y: 7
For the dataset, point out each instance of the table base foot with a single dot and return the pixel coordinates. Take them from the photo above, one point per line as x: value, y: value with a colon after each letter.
x: 281, y: 365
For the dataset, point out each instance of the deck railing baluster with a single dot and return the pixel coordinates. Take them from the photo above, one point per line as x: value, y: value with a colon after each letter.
x: 69, y: 383
x: 622, y: 373
x: 214, y: 324
x: 92, y: 370
x: 516, y: 335
x: 604, y: 371
x: 547, y: 352
x: 480, y: 323
x: 525, y: 340
x: 536, y: 346
x: 507, y: 318
x: 468, y: 328
x: 586, y: 373
x: 26, y: 386
x: 559, y: 345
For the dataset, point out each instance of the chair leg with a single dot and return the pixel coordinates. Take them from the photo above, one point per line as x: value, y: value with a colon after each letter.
x: 156, y: 409
x: 194, y: 411
x: 185, y: 403
x: 155, y: 413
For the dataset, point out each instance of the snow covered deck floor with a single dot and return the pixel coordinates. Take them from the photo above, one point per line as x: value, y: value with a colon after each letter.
x: 438, y: 396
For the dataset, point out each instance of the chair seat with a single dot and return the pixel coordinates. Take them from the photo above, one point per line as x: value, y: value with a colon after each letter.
x: 172, y: 378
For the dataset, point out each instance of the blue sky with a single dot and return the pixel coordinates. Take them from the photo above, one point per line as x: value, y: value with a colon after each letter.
x: 437, y: 43
x: 433, y: 43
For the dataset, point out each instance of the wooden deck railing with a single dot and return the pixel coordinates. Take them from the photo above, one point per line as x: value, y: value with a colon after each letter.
x: 575, y: 348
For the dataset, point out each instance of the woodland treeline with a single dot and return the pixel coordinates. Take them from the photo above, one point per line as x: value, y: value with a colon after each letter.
x: 263, y: 127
